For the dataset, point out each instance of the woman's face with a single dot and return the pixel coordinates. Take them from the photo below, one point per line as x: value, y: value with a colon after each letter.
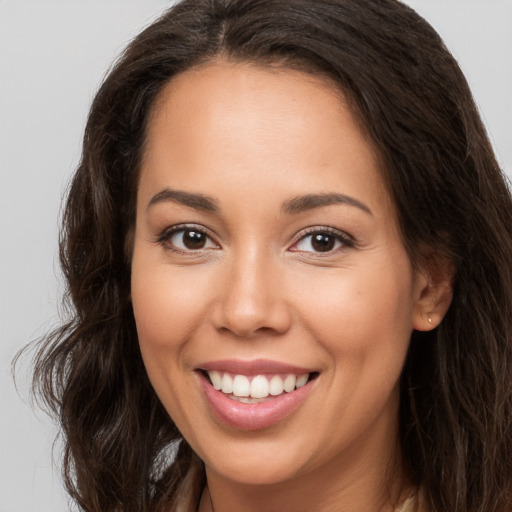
x: 267, y: 252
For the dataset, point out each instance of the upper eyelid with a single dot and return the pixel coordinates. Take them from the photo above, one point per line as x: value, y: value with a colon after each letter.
x: 184, y: 227
x: 322, y: 229
x: 347, y: 241
x: 171, y: 230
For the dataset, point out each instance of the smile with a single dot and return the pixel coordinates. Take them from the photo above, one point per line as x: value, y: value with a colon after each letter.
x: 252, y: 389
x: 254, y: 395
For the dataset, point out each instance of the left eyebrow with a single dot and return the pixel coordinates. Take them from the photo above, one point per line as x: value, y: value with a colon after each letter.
x: 196, y: 201
x: 300, y: 204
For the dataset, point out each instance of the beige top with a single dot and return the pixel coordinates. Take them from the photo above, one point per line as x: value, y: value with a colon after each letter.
x: 409, y: 505
x: 415, y: 503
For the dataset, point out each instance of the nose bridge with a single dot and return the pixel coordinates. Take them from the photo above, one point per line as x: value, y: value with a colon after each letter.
x: 251, y: 300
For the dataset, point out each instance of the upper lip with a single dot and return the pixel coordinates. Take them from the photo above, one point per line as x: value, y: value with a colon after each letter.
x: 253, y: 367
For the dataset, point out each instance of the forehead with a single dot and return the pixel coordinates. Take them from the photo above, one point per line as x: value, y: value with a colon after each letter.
x: 250, y: 126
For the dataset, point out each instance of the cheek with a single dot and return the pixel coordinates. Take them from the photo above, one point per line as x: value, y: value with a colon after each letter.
x: 167, y: 303
x: 363, y: 323
x: 362, y: 319
x: 167, y: 311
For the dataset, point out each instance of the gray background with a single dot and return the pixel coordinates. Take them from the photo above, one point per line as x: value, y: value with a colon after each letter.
x: 53, y: 55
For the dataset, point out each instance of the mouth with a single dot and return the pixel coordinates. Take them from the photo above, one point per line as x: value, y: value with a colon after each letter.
x: 254, y: 395
x: 253, y: 389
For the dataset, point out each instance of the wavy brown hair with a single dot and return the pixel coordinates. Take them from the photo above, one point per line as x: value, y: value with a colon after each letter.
x: 122, y: 451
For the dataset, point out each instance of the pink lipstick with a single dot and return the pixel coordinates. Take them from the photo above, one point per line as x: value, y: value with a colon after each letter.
x: 251, y: 395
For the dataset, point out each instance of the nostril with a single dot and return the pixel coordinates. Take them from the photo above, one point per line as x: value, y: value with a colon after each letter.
x: 251, y: 314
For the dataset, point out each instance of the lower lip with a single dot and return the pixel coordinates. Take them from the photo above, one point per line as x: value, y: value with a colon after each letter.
x: 253, y: 416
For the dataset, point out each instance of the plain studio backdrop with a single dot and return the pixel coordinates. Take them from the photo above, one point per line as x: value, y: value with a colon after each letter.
x: 53, y: 55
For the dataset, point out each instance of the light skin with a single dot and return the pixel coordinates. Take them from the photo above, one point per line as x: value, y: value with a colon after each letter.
x: 255, y: 141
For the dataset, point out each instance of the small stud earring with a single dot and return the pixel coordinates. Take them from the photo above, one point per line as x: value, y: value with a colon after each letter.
x: 429, y: 319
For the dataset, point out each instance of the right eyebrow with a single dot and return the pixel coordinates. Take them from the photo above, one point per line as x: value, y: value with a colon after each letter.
x: 300, y: 204
x: 196, y: 201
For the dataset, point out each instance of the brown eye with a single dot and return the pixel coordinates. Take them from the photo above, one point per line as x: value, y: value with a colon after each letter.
x: 193, y: 239
x: 188, y: 239
x: 323, y: 242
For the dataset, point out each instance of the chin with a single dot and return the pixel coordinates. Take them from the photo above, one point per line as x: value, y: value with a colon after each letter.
x: 257, y: 470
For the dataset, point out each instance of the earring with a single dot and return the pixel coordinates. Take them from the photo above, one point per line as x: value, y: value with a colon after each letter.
x: 429, y: 319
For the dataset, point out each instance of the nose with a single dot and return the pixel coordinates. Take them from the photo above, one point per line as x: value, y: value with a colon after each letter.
x: 251, y: 300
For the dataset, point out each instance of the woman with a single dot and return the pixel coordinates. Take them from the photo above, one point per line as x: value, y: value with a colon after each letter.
x: 287, y: 247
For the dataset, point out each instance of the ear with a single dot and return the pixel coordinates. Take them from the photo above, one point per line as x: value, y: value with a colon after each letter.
x: 433, y: 292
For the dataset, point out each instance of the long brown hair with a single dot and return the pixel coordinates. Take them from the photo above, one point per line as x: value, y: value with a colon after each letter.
x: 122, y: 451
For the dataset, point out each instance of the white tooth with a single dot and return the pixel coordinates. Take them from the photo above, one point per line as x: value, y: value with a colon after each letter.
x: 247, y: 400
x: 259, y: 387
x: 241, y: 386
x: 244, y: 400
x: 216, y: 379
x: 301, y: 381
x: 276, y: 385
x: 289, y: 383
x: 227, y: 384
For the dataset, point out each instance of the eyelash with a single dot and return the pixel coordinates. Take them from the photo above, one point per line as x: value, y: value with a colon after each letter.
x: 165, y: 237
x: 345, y: 240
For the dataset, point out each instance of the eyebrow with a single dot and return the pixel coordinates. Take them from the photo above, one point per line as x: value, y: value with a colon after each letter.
x: 196, y: 201
x: 308, y: 202
x: 293, y: 206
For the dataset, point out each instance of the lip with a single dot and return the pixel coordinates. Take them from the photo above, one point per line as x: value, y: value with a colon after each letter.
x: 254, y: 416
x: 253, y: 367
